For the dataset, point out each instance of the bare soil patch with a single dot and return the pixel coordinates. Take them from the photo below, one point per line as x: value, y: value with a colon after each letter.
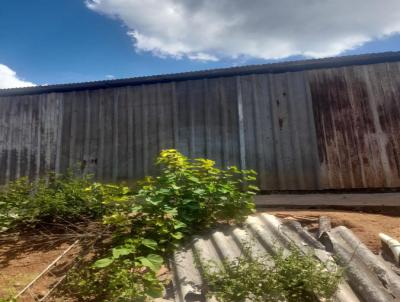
x: 365, y: 225
x: 24, y: 255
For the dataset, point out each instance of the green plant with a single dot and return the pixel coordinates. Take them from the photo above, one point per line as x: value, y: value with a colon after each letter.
x: 296, y: 277
x: 186, y: 197
x: 303, y: 277
x: 120, y: 280
x: 196, y: 192
x: 7, y: 300
x: 15, y: 205
x: 55, y: 196
x: 241, y: 279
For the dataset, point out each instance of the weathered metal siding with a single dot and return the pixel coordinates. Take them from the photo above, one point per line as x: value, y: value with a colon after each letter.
x: 29, y: 135
x: 357, y: 117
x: 305, y: 130
x: 279, y: 132
x: 116, y: 133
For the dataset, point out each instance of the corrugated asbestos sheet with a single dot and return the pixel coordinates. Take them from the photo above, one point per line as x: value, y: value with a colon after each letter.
x: 367, y: 276
x: 324, y: 128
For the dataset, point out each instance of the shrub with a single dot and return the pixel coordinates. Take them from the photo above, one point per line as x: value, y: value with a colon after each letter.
x: 54, y: 197
x: 297, y: 277
x: 199, y: 193
x: 188, y: 196
x: 120, y: 281
x: 241, y: 279
x: 15, y: 204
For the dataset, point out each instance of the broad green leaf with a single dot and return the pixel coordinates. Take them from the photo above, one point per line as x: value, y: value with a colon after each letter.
x: 255, y: 188
x: 199, y: 191
x: 135, y: 209
x: 194, y: 179
x: 152, y: 261
x: 121, y: 251
x: 155, y: 202
x: 154, y: 291
x: 151, y: 244
x: 175, y: 187
x: 103, y: 262
x: 173, y: 211
x: 179, y: 225
x: 177, y: 235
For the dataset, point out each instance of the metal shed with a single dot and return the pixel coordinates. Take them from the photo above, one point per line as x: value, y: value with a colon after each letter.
x: 306, y: 125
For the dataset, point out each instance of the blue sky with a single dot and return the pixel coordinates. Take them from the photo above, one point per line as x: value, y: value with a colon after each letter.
x: 60, y: 41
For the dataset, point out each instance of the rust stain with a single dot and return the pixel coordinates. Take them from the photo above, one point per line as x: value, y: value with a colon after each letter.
x: 392, y: 128
x: 280, y: 120
x: 347, y: 134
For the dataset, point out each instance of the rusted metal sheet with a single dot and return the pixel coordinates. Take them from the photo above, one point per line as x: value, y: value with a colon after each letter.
x: 357, y: 118
x: 299, y: 128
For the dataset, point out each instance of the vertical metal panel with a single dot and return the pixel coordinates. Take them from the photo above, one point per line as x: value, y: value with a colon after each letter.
x: 34, y: 150
x: 255, y: 155
x: 356, y: 116
x: 214, y: 140
x: 122, y: 134
x: 207, y: 120
x: 135, y: 96
x: 130, y: 135
x: 29, y: 137
x: 279, y: 139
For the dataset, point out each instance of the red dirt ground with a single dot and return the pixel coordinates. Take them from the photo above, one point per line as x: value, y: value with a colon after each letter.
x: 25, y: 256
x: 366, y: 226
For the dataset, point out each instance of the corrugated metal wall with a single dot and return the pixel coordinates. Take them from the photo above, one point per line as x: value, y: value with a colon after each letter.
x: 318, y: 129
x: 279, y: 134
x: 357, y: 118
x: 30, y: 132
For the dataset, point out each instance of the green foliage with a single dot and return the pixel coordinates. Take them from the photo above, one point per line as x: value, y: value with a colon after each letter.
x: 125, y: 275
x: 7, y: 300
x: 196, y: 193
x: 56, y: 196
x: 296, y: 277
x: 188, y: 196
x: 120, y: 280
x: 241, y: 279
x: 303, y: 277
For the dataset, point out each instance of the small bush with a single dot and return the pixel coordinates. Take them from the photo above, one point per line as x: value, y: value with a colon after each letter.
x: 54, y: 197
x: 188, y: 196
x: 241, y: 279
x: 121, y: 281
x: 297, y: 277
x: 201, y: 194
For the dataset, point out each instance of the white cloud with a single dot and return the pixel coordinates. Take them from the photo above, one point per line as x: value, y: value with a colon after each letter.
x: 9, y: 78
x: 269, y: 29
